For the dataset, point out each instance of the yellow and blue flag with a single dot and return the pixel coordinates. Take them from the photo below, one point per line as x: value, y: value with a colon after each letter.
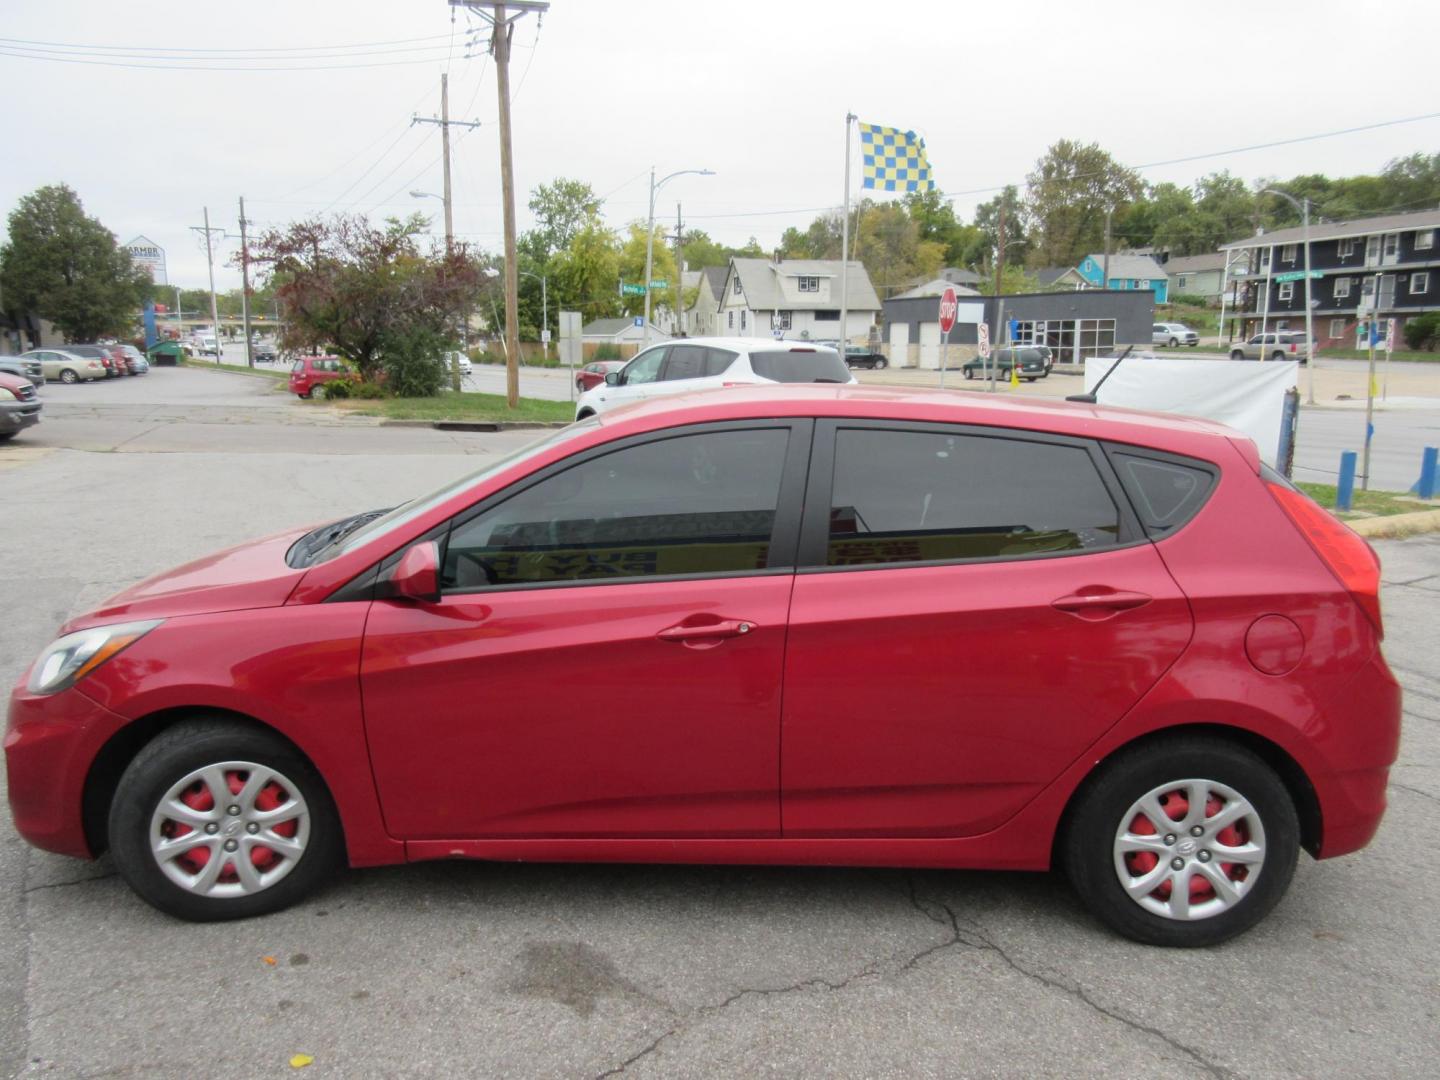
x: 893, y: 160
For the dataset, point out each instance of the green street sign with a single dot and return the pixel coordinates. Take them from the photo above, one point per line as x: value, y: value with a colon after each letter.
x: 659, y: 283
x: 1298, y: 275
x: 632, y: 290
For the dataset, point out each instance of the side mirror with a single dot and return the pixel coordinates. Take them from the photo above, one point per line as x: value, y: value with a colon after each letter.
x: 612, y: 378
x: 417, y: 576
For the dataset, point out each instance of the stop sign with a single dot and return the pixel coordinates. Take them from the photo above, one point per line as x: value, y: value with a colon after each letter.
x: 948, y: 309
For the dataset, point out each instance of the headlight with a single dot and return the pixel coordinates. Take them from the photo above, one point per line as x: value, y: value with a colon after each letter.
x: 74, y: 656
x: 6, y: 395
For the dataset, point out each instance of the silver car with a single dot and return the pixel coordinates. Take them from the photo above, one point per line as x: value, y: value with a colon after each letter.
x: 1276, y: 345
x: 26, y: 369
x: 1173, y: 334
x: 66, y: 366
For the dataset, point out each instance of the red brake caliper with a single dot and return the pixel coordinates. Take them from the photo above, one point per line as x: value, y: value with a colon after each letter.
x: 271, y: 797
x: 197, y: 796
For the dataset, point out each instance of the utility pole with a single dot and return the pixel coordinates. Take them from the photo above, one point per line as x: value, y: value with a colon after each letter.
x: 502, y: 25
x: 1105, y: 272
x: 999, y: 304
x: 679, y: 273
x: 445, y: 123
x: 210, y: 262
x: 245, y: 285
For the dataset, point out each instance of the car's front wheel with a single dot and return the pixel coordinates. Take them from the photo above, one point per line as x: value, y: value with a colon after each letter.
x: 880, y: 363
x: 1237, y: 354
x: 1174, y: 343
x: 216, y: 820
x: 1185, y: 842
x: 69, y: 376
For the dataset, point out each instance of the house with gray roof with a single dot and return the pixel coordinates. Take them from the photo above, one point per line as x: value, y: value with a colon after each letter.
x: 702, y: 318
x: 1197, y: 275
x: 1126, y: 272
x: 796, y: 298
x: 625, y: 330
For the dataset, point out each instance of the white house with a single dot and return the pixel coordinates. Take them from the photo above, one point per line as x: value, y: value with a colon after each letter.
x: 798, y: 297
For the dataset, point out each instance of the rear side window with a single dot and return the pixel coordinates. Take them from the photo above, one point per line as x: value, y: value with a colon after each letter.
x: 909, y: 496
x: 822, y: 366
x: 684, y: 362
x: 1166, y: 492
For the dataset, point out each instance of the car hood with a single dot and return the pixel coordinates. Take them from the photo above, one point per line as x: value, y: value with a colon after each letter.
x: 250, y: 575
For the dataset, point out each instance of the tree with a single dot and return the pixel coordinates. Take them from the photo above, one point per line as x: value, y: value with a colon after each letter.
x: 987, y: 222
x: 936, y: 220
x: 64, y: 266
x: 561, y: 210
x: 585, y: 274
x: 632, y: 268
x: 370, y: 292
x: 1067, y: 195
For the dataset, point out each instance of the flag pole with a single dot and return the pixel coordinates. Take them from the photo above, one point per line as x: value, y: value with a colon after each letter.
x: 845, y: 242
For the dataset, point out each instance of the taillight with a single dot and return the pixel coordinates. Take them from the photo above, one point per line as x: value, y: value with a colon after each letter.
x: 1292, y: 346
x: 1349, y: 557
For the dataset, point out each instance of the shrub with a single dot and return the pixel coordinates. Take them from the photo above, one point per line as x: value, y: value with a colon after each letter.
x: 411, y: 361
x: 368, y: 391
x: 607, y: 351
x: 1186, y: 300
x: 339, y: 389
x: 1422, y: 331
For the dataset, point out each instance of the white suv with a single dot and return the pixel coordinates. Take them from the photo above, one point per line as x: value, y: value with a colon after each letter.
x: 674, y: 367
x: 1173, y: 334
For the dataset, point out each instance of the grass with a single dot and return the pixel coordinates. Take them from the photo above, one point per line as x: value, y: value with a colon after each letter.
x: 1365, y: 503
x: 238, y: 369
x: 451, y: 406
x: 1360, y: 354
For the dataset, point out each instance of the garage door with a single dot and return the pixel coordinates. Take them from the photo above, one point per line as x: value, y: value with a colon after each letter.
x: 930, y: 345
x: 900, y: 344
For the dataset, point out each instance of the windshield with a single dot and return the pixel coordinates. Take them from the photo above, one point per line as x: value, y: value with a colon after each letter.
x: 407, y: 512
x: 819, y: 365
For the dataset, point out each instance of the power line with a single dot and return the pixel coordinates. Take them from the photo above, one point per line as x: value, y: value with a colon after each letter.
x: 357, y: 181
x: 256, y: 49
x: 305, y: 67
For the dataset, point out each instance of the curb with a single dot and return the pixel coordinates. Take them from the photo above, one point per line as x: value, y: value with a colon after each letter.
x: 1397, y: 526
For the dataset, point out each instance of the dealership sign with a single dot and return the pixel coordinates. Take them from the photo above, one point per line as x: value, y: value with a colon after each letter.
x: 149, y: 256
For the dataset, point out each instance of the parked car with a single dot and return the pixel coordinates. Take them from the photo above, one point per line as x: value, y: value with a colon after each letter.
x: 1173, y: 334
x: 26, y: 368
x: 706, y: 363
x: 134, y: 359
x: 1032, y: 364
x: 1040, y: 600
x: 309, y: 374
x: 1047, y: 354
x: 65, y: 366
x: 1274, y: 345
x: 19, y: 405
x: 457, y: 357
x: 113, y: 368
x: 265, y: 354
x: 593, y: 373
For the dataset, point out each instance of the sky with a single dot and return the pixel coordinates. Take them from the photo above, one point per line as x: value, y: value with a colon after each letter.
x: 139, y: 106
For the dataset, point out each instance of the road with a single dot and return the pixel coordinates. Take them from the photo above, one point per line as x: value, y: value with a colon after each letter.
x: 583, y: 971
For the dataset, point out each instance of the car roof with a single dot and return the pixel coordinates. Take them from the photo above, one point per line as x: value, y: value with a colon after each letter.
x: 744, y: 344
x: 1164, y: 431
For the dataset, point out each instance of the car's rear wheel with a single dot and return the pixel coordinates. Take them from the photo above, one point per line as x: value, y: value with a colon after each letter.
x: 69, y: 375
x: 1174, y: 343
x: 218, y: 820
x: 1277, y: 355
x: 318, y: 393
x: 1237, y: 354
x: 880, y: 363
x: 969, y: 373
x: 1183, y: 842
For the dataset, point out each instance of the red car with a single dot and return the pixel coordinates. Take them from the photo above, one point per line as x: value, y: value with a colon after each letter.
x: 781, y: 624
x: 308, y: 372
x: 593, y: 374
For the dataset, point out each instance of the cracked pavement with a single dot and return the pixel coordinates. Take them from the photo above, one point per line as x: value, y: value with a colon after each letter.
x: 590, y: 971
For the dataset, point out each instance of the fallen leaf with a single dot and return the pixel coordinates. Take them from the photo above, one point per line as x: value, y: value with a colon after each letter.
x: 299, y: 1061
x: 269, y: 960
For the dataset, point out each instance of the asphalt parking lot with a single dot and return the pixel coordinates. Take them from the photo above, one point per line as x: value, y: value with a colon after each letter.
x: 584, y: 971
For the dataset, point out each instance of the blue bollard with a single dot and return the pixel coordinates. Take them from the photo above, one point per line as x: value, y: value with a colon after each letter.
x: 1426, y: 487
x: 1345, y: 492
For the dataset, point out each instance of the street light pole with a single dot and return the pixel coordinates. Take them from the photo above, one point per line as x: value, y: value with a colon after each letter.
x: 650, y: 236
x: 1303, y: 205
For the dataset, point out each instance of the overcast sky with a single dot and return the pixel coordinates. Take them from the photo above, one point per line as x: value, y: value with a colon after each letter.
x: 755, y: 91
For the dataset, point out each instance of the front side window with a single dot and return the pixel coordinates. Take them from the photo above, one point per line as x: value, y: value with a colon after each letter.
x: 910, y: 496
x: 693, y: 504
x: 299, y: 365
x: 645, y: 368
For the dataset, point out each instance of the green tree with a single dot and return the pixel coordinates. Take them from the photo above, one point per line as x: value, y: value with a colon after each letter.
x: 1067, y: 195
x: 987, y: 223
x: 63, y: 265
x: 370, y: 292
x: 632, y: 268
x: 935, y: 217
x: 585, y: 274
x: 561, y: 208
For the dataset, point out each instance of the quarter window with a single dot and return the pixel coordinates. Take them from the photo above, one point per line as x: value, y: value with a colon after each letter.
x: 693, y: 504
x: 1165, y: 493
x: 909, y: 496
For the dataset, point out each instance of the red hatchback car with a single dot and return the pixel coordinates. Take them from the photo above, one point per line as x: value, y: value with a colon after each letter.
x: 309, y: 372
x: 797, y: 624
x: 593, y: 373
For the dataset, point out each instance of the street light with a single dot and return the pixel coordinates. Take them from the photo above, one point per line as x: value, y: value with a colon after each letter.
x: 650, y: 235
x: 1303, y: 205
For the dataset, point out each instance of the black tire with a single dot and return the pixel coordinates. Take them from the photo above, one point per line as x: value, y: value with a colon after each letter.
x: 880, y: 364
x: 1087, y: 848
x: 192, y: 745
x: 6, y: 436
x: 969, y: 373
x: 69, y: 376
x: 1237, y: 354
x: 1174, y: 343
x: 1277, y: 355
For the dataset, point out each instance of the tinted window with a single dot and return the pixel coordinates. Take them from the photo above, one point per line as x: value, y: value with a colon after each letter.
x: 903, y: 496
x: 684, y: 362
x: 1165, y: 493
x: 718, y: 361
x: 822, y: 365
x: 688, y: 505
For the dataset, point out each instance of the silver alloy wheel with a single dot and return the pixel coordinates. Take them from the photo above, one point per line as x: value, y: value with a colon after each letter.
x: 229, y: 829
x: 1189, y: 849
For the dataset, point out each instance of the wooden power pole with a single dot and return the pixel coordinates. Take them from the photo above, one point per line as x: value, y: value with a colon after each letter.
x: 502, y: 24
